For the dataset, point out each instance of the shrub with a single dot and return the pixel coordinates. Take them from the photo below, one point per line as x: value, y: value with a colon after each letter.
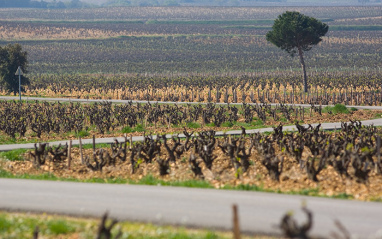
x: 257, y: 122
x: 227, y: 124
x: 337, y: 109
x: 58, y: 227
x: 139, y: 128
x: 82, y: 133
x: 340, y: 109
x: 127, y: 129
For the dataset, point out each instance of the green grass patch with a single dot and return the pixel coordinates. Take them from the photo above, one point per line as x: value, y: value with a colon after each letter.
x: 306, y: 192
x: 257, y: 122
x: 139, y: 128
x: 193, y: 125
x: 147, y: 180
x: 20, y: 226
x: 5, y: 139
x: 337, y: 109
x: 127, y: 130
x: 211, y: 124
x: 227, y: 124
x: 343, y: 196
x: 245, y: 187
x: 57, y: 227
x: 376, y: 199
x: 82, y: 134
x: 340, y: 108
x: 52, y: 177
x: 314, y: 192
x: 45, y: 176
x: 90, y: 146
x: 17, y: 225
x: 377, y: 116
x: 13, y: 155
x: 151, y: 180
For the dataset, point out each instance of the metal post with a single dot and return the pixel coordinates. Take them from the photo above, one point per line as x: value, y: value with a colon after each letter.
x: 19, y: 72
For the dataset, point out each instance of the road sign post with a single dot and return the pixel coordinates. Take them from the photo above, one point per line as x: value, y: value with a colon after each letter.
x: 20, y: 73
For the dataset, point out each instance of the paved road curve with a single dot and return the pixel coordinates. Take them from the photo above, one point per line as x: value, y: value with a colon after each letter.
x: 258, y: 212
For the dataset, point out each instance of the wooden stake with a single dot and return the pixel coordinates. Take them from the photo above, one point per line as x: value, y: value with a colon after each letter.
x: 303, y: 113
x: 81, y: 154
x: 35, y: 232
x: 377, y: 169
x: 236, y: 226
x: 94, y: 147
x: 69, y: 153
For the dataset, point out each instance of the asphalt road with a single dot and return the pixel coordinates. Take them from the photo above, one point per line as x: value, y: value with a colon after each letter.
x: 202, y: 208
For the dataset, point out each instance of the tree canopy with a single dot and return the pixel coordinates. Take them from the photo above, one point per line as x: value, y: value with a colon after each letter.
x: 11, y: 57
x: 294, y: 33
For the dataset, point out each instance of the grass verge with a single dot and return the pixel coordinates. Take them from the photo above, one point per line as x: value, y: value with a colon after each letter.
x: 17, y: 225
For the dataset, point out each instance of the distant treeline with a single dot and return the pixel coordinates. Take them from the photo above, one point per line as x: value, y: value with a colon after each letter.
x: 184, y: 2
x: 112, y: 3
x: 42, y: 4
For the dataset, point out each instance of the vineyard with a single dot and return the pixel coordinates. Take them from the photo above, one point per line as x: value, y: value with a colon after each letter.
x: 313, y: 162
x: 191, y: 51
x: 186, y: 40
x: 342, y: 164
x: 349, y: 88
x: 21, y: 122
x: 216, y: 70
x: 189, y: 13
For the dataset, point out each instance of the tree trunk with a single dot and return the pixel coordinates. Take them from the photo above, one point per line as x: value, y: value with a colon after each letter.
x: 301, y: 54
